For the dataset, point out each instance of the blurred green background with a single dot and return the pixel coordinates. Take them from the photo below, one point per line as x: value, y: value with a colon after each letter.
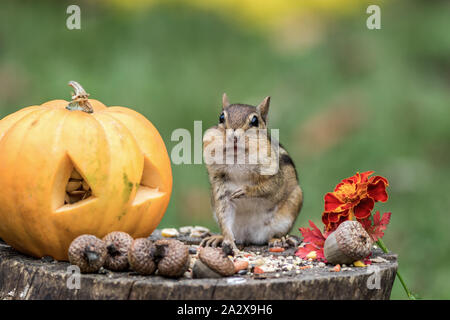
x: 345, y: 98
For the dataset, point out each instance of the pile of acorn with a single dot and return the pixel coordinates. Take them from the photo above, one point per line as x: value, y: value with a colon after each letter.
x: 118, y: 251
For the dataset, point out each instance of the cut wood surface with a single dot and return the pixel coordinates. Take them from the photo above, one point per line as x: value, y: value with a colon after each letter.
x: 23, y: 277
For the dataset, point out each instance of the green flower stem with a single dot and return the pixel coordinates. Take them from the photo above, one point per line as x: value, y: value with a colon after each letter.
x: 381, y: 244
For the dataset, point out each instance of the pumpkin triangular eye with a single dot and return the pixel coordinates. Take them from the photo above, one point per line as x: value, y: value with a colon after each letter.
x: 70, y: 186
x: 77, y: 189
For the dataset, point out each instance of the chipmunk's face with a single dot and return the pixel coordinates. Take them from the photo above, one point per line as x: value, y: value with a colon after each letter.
x: 240, y: 135
x: 243, y: 116
x: 244, y: 124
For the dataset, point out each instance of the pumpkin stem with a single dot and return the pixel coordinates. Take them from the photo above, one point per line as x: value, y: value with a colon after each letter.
x: 79, y: 99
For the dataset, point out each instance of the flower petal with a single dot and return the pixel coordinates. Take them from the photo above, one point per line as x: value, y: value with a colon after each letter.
x: 375, y: 179
x: 377, y: 190
x: 333, y: 216
x: 365, y: 175
x: 331, y: 202
x: 363, y: 209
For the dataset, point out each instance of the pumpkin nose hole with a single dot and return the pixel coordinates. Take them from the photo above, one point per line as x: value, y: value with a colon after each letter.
x: 77, y: 189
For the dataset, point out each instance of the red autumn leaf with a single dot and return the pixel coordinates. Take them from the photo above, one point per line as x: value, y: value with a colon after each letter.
x: 314, y: 240
x: 302, y: 252
x: 320, y: 255
x: 366, y: 223
x: 367, y: 260
x: 313, y: 236
x: 379, y: 224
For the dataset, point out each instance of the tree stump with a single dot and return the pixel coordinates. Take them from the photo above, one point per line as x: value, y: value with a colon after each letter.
x: 26, y: 278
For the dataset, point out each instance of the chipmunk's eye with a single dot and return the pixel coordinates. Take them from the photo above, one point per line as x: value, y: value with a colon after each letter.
x: 254, y: 122
x: 221, y: 118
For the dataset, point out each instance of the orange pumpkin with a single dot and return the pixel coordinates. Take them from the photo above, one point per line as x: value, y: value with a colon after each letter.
x: 116, y: 153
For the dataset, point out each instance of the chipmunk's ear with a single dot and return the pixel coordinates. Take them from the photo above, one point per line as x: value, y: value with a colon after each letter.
x: 225, y: 102
x: 263, y: 108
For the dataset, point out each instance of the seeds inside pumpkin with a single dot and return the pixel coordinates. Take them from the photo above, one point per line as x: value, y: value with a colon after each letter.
x: 77, y: 189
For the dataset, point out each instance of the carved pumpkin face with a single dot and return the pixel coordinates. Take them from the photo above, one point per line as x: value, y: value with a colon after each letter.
x: 65, y: 172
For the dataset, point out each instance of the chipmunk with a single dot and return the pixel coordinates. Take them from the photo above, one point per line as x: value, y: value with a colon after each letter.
x: 250, y: 205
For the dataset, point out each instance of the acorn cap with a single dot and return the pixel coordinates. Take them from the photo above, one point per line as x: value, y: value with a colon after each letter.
x: 350, y: 242
x: 140, y: 257
x: 217, y: 260
x: 117, y: 243
x: 172, y: 256
x: 87, y: 252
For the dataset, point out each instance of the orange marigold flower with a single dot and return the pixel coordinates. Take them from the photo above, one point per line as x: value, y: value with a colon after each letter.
x: 353, y: 197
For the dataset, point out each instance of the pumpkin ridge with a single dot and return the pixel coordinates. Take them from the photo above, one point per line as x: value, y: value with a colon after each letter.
x: 116, y: 111
x: 126, y: 191
x: 6, y: 132
x: 27, y: 226
x: 146, y: 194
x: 23, y: 234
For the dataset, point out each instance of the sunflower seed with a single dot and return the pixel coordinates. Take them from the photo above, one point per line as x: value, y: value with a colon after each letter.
x: 74, y: 199
x: 186, y: 229
x: 73, y: 185
x: 85, y: 186
x: 77, y: 193
x: 75, y: 175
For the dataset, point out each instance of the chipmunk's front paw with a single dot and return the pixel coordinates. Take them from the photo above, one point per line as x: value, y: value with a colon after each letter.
x: 212, y: 241
x: 284, y: 242
x: 278, y: 242
x: 239, y: 193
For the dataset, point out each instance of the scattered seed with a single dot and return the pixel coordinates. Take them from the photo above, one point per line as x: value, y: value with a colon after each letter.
x: 311, y: 255
x: 186, y: 229
x: 201, y: 229
x: 169, y: 232
x: 259, y: 262
x: 258, y: 270
x: 359, y: 263
x: 240, y: 265
x: 306, y: 267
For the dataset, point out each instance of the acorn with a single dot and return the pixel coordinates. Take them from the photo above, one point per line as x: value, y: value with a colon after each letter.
x: 87, y: 252
x: 213, y: 263
x: 172, y: 257
x: 117, y: 243
x: 350, y: 242
x: 140, y: 257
